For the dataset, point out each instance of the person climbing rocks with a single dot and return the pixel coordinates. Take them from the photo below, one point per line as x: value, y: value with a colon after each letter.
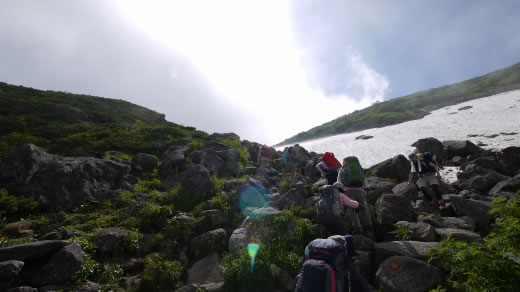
x: 351, y: 179
x: 264, y: 155
x: 429, y: 175
x: 328, y: 167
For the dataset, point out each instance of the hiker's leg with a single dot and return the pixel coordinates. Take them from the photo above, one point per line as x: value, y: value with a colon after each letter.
x: 437, y: 191
x: 426, y: 195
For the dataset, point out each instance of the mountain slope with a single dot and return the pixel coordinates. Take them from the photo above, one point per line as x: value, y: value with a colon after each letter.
x: 64, y: 123
x: 415, y: 106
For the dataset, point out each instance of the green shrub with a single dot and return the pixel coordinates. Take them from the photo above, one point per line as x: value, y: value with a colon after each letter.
x: 285, y: 185
x: 183, y: 199
x: 16, y: 206
x: 194, y: 145
x: 118, y: 156
x: 147, y: 186
x: 160, y: 274
x: 110, y: 277
x: 154, y: 217
x: 238, y: 275
x: 492, y: 265
x: 403, y: 233
x: 218, y: 183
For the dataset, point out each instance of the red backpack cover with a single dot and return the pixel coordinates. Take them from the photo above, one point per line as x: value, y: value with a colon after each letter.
x: 330, y: 159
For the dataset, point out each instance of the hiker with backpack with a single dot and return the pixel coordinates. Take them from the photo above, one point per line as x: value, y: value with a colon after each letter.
x: 264, y: 155
x: 328, y: 267
x: 328, y: 167
x: 351, y: 179
x: 429, y: 175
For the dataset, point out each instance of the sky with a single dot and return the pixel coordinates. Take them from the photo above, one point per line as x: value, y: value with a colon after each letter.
x: 265, y: 70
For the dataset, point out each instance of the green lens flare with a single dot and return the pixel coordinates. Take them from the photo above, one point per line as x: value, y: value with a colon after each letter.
x: 252, y: 250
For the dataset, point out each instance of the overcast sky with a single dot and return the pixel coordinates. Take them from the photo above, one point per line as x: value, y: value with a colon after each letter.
x: 266, y: 69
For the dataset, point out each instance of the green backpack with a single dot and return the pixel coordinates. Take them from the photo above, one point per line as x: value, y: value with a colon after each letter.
x: 353, y: 174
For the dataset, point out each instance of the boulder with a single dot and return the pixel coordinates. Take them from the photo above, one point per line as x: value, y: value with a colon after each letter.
x: 419, y: 231
x: 238, y: 241
x: 482, y: 184
x: 406, y: 190
x: 207, y: 270
x: 19, y: 229
x: 211, y: 160
x: 293, y: 198
x: 22, y: 289
x: 204, y: 244
x: 511, y: 185
x: 433, y: 145
x: 111, y: 239
x: 195, y: 178
x: 310, y: 169
x: 282, y: 278
x: 61, y: 267
x: 62, y: 181
x: 458, y: 234
x: 460, y: 148
x: 396, y: 168
x: 414, y: 249
x: 510, y: 159
x: 216, y: 217
x: 377, y: 187
x: 230, y: 166
x: 172, y: 160
x: 477, y: 210
x: 145, y: 162
x: 391, y: 208
x: 228, y: 136
x: 8, y: 272
x: 31, y: 250
x: 217, y: 146
x: 401, y: 273
x: 463, y: 222
x: 489, y: 162
x: 299, y: 155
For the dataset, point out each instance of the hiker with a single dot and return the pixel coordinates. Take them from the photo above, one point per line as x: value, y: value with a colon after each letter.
x: 425, y: 165
x: 289, y: 165
x: 328, y: 266
x: 264, y: 155
x: 328, y: 167
x: 351, y: 179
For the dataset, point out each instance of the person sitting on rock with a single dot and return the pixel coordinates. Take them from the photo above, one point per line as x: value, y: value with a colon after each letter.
x: 328, y: 167
x: 426, y: 167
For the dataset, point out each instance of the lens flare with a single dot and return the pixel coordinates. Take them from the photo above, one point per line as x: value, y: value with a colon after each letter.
x: 252, y: 198
x: 252, y: 250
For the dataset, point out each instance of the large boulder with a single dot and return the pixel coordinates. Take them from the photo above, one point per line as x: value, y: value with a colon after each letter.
x: 406, y: 190
x: 477, y: 210
x: 510, y: 160
x: 396, y: 168
x: 413, y: 249
x: 172, y: 160
x: 196, y: 179
x: 204, y: 244
x: 61, y: 267
x: 419, y: 231
x: 481, y: 184
x: 228, y: 136
x: 144, y: 162
x: 458, y: 234
x: 405, y: 274
x: 433, y: 145
x: 511, y: 185
x: 462, y: 148
x: 8, y: 272
x: 299, y: 155
x: 238, y: 241
x: 62, y: 181
x: 211, y: 160
x: 391, y: 208
x: 31, y: 250
x: 463, y: 222
x: 207, y: 270
x: 111, y: 239
x: 293, y: 198
x: 20, y: 228
x: 377, y: 187
x: 230, y: 159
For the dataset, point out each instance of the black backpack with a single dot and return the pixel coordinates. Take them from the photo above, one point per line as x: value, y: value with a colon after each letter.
x: 325, y: 267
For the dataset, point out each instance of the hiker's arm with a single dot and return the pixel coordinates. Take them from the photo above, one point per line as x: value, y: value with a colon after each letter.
x: 410, y: 177
x: 437, y: 169
x: 322, y: 167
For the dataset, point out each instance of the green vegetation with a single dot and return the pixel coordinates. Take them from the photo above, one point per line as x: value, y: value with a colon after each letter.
x: 160, y: 274
x: 12, y: 207
x: 492, y: 265
x: 415, y: 106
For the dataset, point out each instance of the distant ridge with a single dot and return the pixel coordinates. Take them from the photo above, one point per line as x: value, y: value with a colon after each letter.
x: 414, y: 106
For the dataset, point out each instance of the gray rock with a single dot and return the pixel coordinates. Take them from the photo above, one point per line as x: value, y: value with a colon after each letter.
x: 238, y: 241
x: 62, y: 181
x: 414, y: 249
x: 419, y: 231
x: 196, y: 179
x: 216, y: 217
x: 510, y: 159
x: 22, y: 289
x: 229, y: 136
x: 211, y: 160
x: 461, y: 148
x: 172, y: 160
x: 293, y: 198
x: 433, y: 145
x: 406, y: 190
x: 477, y: 210
x: 405, y: 274
x: 206, y: 270
x: 204, y: 244
x: 31, y: 250
x: 217, y: 146
x: 458, y: 234
x: 230, y: 166
x: 509, y: 185
x: 310, y: 169
x: 463, y: 222
x: 396, y: 168
x: 111, y: 239
x: 61, y: 267
x: 482, y: 183
x: 391, y: 208
x: 145, y: 162
x: 282, y: 278
x: 377, y: 187
x: 8, y: 272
